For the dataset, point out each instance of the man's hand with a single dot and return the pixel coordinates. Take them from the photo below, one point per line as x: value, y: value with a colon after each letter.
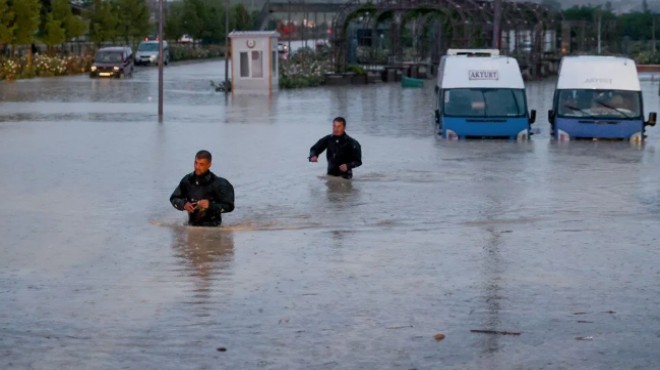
x: 343, y: 168
x: 189, y: 207
x: 314, y: 159
x: 203, y: 204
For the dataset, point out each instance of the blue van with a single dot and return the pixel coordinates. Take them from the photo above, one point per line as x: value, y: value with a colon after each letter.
x: 481, y: 94
x: 598, y: 97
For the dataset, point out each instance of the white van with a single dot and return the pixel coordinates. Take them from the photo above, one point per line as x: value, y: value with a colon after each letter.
x: 481, y: 94
x: 598, y: 97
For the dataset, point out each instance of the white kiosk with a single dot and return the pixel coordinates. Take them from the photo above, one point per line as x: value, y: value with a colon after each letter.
x: 254, y: 64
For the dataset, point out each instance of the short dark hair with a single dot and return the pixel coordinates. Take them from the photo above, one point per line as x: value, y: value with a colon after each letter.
x: 341, y: 120
x: 204, y: 154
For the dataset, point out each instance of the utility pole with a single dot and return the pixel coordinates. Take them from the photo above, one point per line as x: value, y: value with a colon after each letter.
x: 653, y: 35
x: 497, y: 24
x: 600, y: 20
x: 226, y: 46
x: 160, y: 60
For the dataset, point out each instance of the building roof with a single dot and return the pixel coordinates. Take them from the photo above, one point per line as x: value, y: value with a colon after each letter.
x: 241, y: 34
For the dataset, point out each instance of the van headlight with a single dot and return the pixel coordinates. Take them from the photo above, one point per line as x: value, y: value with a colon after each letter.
x: 636, y: 138
x: 93, y: 68
x: 563, y: 136
x: 523, y: 135
x: 451, y: 135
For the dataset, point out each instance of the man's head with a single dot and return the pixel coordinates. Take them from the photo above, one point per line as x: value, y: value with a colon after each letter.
x: 338, y: 126
x: 202, y: 162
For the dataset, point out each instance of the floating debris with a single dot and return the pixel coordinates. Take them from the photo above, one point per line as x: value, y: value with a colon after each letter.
x: 497, y: 332
x: 584, y: 338
x: 221, y: 86
x: 222, y: 349
x: 438, y: 337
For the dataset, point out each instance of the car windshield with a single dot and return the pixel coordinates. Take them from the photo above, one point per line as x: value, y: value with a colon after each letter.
x: 109, y: 57
x: 148, y: 46
x: 485, y: 102
x: 599, y: 103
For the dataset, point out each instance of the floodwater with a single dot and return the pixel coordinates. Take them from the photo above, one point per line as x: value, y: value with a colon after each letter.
x: 97, y: 271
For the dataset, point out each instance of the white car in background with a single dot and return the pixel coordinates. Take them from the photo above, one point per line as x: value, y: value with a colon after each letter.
x: 147, y: 53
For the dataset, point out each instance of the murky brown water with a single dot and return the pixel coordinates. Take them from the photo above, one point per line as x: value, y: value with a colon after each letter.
x: 97, y: 270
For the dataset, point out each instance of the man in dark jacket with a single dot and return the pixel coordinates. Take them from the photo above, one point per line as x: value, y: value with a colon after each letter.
x: 203, y: 195
x: 344, y: 153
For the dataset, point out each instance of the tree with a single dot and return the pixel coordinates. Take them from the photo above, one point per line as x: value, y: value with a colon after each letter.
x: 240, y: 17
x: 102, y: 22
x: 192, y: 22
x: 133, y: 20
x: 74, y: 26
x: 54, y: 33
x: 552, y: 5
x: 26, y: 21
x: 173, y: 26
x: 7, y: 23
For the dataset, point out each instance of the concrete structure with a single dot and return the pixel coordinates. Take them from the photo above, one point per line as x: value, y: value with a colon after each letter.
x: 254, y: 64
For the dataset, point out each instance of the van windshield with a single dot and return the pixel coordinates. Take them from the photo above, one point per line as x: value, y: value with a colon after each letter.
x: 109, y: 57
x: 599, y: 104
x: 484, y: 102
x: 148, y: 46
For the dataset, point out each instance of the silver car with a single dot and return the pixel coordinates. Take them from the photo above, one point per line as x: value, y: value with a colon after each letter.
x: 147, y: 53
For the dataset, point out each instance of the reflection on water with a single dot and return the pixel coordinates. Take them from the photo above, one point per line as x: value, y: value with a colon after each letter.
x: 206, y: 253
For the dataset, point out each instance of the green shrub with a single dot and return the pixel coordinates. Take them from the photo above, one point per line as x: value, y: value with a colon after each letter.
x: 304, y: 68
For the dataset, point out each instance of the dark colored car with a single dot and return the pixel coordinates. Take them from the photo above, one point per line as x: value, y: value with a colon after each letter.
x: 116, y: 61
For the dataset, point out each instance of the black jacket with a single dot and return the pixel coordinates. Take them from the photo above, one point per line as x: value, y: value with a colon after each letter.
x: 341, y: 150
x: 193, y: 188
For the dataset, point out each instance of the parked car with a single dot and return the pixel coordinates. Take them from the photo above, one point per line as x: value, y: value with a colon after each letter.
x: 186, y: 39
x: 116, y: 61
x: 147, y: 53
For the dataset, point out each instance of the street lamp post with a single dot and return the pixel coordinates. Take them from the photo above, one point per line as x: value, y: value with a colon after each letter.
x: 160, y: 60
x: 226, y: 46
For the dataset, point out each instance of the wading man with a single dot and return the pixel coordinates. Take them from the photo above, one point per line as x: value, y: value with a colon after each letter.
x: 343, y: 152
x: 203, y: 195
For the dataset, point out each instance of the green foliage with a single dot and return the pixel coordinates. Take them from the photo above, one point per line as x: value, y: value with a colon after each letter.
x: 205, y: 20
x: 103, y: 21
x: 132, y: 20
x: 173, y: 22
x: 74, y: 26
x: 54, y: 33
x: 7, y: 26
x: 305, y: 68
x: 356, y: 69
x: 26, y: 21
x: 240, y: 18
x: 636, y: 26
x: 184, y: 52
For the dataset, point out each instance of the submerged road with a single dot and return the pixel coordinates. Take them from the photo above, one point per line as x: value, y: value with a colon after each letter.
x: 559, y: 243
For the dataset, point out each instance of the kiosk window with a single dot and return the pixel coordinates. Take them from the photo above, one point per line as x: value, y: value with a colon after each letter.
x: 257, y: 64
x: 245, y: 66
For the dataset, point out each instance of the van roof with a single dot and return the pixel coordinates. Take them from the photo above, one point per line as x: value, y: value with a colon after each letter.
x: 463, y: 71
x: 598, y: 73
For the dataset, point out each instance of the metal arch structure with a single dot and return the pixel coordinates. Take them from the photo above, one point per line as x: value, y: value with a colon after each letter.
x: 525, y: 26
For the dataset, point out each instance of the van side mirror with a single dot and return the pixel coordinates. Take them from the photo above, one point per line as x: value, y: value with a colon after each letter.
x: 532, y: 116
x: 551, y: 116
x: 437, y: 89
x: 653, y: 116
